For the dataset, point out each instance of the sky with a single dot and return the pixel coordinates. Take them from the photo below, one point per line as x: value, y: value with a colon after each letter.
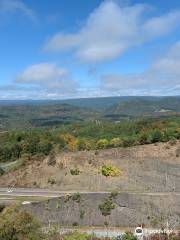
x: 89, y: 48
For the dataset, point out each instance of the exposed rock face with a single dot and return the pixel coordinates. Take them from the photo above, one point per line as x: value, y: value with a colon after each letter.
x: 130, y: 209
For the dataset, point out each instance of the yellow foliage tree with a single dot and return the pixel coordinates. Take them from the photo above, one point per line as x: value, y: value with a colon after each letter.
x: 116, y: 142
x: 69, y: 141
x: 102, y: 143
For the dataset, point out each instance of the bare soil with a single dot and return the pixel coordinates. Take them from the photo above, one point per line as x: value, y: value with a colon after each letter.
x: 151, y: 168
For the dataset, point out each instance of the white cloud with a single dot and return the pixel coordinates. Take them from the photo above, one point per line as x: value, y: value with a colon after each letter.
x: 162, y: 25
x: 111, y: 29
x: 47, y: 76
x: 41, y: 81
x: 14, y: 6
x: 41, y: 73
x: 49, y: 81
x: 163, y: 77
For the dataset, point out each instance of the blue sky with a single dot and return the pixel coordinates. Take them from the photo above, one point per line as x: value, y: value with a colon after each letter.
x: 92, y: 48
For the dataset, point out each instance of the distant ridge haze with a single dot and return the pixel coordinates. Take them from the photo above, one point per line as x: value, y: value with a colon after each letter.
x: 46, y: 113
x: 95, y: 103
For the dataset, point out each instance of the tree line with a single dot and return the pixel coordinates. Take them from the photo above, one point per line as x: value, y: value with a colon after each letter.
x: 18, y: 144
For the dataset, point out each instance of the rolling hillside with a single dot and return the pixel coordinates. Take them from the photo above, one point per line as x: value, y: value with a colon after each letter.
x: 144, y: 107
x: 28, y: 114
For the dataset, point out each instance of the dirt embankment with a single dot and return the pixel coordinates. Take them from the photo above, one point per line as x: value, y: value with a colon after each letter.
x: 152, y: 168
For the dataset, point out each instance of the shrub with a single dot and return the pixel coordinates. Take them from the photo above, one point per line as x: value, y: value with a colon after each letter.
x: 170, y: 134
x: 1, y: 171
x: 69, y: 142
x: 75, y: 224
x: 32, y: 146
x: 178, y: 152
x: 114, y: 194
x: 58, y: 205
x: 96, y: 153
x: 106, y: 207
x: 116, y: 142
x: 106, y: 223
x: 150, y: 136
x: 110, y: 171
x: 2, y: 206
x: 144, y: 137
x: 82, y: 213
x: 154, y: 222
x: 172, y: 142
x: 129, y: 236
x: 76, y: 235
x: 67, y: 198
x: 75, y: 171
x: 5, y: 153
x: 128, y: 141
x: 102, y: 144
x: 45, y: 147
x: 76, y: 197
x: 51, y: 160
x: 52, y: 180
x: 163, y: 236
x: 52, y: 234
x: 156, y: 135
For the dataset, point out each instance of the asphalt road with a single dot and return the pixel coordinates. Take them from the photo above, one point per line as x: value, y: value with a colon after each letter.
x: 49, y: 193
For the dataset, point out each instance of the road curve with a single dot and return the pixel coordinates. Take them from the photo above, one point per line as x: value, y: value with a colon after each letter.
x: 15, y: 192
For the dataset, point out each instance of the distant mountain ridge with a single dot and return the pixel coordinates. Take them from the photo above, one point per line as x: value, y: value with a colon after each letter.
x: 45, y: 113
x: 95, y: 103
x: 139, y: 106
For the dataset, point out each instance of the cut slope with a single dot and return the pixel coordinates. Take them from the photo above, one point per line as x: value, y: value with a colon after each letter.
x: 154, y: 168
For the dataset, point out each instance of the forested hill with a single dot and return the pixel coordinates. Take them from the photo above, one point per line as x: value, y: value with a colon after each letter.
x: 102, y: 103
x: 29, y: 113
x: 42, y: 115
x: 144, y: 107
x: 105, y: 103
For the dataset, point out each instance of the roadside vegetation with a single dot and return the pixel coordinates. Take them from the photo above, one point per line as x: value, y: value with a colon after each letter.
x: 24, y: 145
x: 16, y: 224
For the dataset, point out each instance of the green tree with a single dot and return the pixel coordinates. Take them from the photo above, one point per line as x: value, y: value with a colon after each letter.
x: 155, y: 135
x: 32, y: 146
x: 5, y: 153
x: 45, y: 147
x: 17, y: 225
x: 16, y: 151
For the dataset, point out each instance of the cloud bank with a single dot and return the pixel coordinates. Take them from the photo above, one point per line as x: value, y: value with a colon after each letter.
x: 40, y: 81
x: 163, y: 77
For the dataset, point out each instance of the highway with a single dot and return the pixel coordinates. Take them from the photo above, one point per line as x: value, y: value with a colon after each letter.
x: 27, y: 192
